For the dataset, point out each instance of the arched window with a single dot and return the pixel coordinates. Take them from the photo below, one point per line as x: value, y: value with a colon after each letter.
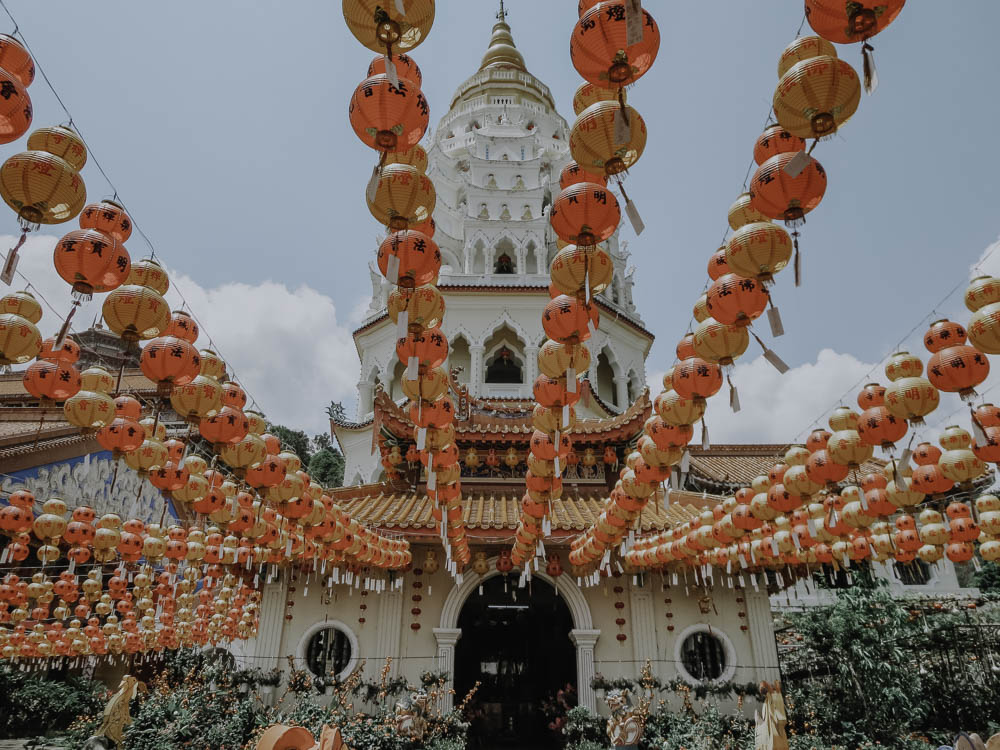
x: 703, y: 656
x: 503, y: 368
x: 607, y: 390
x: 459, y: 356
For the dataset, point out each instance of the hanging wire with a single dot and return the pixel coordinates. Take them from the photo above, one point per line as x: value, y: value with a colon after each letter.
x: 92, y: 158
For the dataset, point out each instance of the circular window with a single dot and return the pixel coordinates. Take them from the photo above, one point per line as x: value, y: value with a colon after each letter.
x: 328, y: 652
x: 703, y: 656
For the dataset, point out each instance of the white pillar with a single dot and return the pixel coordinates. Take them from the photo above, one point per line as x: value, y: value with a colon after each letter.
x: 621, y: 387
x: 265, y: 651
x: 390, y: 628
x: 447, y: 638
x: 366, y: 393
x: 761, y: 631
x: 585, y: 642
x: 643, y: 628
x: 531, y: 366
x: 478, y: 374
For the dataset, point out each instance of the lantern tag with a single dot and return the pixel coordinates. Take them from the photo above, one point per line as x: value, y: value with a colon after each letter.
x: 372, y: 190
x: 622, y: 131
x: 565, y: 415
x: 390, y: 72
x: 797, y: 164
x: 64, y: 329
x: 571, y: 380
x: 402, y: 324
x: 412, y: 368
x: 555, y: 463
x: 777, y: 362
x: 7, y: 277
x: 634, y: 218
x: 392, y: 269
x: 421, y: 438
x: 431, y: 481
x: 633, y: 22
x: 734, y: 398
x: 774, y: 318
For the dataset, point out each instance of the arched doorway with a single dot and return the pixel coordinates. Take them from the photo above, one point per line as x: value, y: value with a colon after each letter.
x: 516, y: 644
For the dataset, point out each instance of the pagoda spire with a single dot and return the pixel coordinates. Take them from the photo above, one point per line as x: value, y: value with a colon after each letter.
x: 502, y: 53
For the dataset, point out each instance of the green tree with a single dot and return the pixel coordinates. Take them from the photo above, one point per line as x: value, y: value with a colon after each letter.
x: 295, y: 440
x: 987, y: 578
x: 327, y: 466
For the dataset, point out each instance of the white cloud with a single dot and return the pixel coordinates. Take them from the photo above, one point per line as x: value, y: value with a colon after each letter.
x: 285, y: 345
x: 988, y: 263
x: 776, y: 407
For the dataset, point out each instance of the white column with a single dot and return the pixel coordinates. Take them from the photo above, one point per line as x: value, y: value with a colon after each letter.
x: 265, y: 650
x: 761, y: 631
x: 447, y: 638
x: 585, y: 642
x: 643, y: 628
x: 390, y: 628
x: 531, y: 366
x: 366, y: 392
x: 621, y: 387
x: 478, y: 373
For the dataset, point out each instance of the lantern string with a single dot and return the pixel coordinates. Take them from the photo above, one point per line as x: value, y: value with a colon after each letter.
x: 135, y: 224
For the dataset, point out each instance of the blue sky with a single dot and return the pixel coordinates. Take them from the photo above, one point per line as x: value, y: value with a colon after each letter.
x: 224, y: 126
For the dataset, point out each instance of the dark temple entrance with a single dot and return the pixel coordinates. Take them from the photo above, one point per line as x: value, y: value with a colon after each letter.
x: 515, y: 642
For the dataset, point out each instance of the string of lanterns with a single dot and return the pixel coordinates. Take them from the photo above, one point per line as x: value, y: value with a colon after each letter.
x: 389, y: 114
x: 817, y: 94
x: 612, y: 46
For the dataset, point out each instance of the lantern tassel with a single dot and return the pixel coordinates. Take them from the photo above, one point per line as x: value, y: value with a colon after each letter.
x: 12, y: 257
x: 868, y: 65
x: 734, y: 396
x: 705, y: 443
x: 798, y: 259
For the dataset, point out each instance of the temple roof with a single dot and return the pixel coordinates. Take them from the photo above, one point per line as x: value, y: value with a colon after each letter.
x: 380, y: 506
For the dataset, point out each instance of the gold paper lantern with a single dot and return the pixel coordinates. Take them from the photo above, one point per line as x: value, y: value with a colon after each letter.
x: 984, y: 328
x: 380, y: 26
x: 430, y: 386
x: 982, y: 291
x: 554, y: 359
x: 758, y: 250
x: 148, y: 272
x: 20, y: 340
x: 402, y: 197
x: 43, y: 184
x: 593, y: 142
x: 742, y: 213
x: 416, y: 157
x: 90, y: 410
x: 912, y: 399
x: 816, y: 96
x: 200, y: 398
x: 804, y: 48
x: 676, y: 410
x: 21, y: 303
x: 148, y: 457
x: 135, y: 313
x: 720, y: 343
x: 588, y: 94
x: 424, y: 307
x: 575, y: 266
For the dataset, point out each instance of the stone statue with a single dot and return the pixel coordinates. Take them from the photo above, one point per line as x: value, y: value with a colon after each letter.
x: 411, y: 716
x: 505, y: 213
x: 771, y: 720
x: 626, y: 724
x: 526, y: 215
x: 111, y: 732
x: 483, y: 211
x: 973, y: 741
